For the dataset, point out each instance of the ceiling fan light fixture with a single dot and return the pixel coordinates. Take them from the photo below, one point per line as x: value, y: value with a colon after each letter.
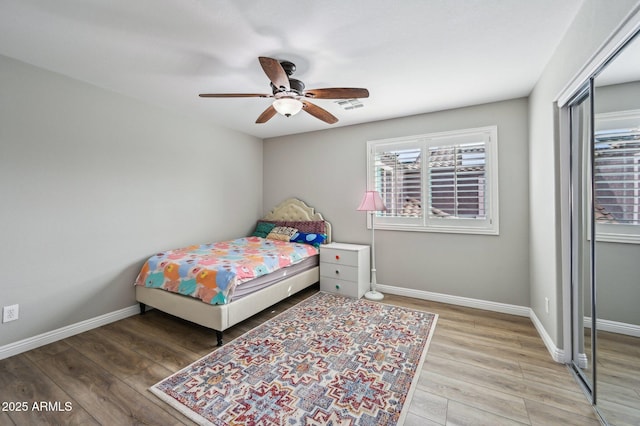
x: 290, y: 96
x: 287, y: 106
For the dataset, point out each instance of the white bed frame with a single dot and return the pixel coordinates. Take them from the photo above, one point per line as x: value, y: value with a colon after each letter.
x: 221, y: 317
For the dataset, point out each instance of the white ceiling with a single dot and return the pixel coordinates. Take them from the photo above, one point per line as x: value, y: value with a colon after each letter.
x: 414, y: 56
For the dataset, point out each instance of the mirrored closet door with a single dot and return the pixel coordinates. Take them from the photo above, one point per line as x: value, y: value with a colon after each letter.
x: 582, y: 250
x: 605, y: 164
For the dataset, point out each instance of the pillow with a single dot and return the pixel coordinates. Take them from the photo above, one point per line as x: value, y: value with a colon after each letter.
x: 263, y: 229
x: 309, y: 226
x: 282, y: 233
x: 306, y: 238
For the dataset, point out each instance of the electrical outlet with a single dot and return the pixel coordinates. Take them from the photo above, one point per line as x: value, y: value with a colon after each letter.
x: 10, y: 313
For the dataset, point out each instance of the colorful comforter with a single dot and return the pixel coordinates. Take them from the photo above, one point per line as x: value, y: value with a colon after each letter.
x: 211, y: 272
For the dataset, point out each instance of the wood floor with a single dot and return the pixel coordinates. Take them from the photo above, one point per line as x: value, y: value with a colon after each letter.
x: 618, y: 381
x: 482, y: 368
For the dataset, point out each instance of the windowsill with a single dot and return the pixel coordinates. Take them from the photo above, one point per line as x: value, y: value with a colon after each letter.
x: 437, y: 229
x: 618, y: 233
x: 617, y: 238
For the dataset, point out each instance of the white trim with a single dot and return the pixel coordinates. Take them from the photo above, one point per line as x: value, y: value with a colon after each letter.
x: 487, y: 305
x: 425, y: 223
x: 556, y: 353
x: 570, y: 206
x: 523, y: 311
x: 630, y: 25
x: 583, y: 361
x: 620, y: 36
x: 565, y: 228
x: 62, y: 333
x: 610, y: 237
x: 615, y: 232
x: 614, y: 327
x: 437, y: 228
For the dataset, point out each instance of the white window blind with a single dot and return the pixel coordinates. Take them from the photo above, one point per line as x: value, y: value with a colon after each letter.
x: 617, y: 177
x: 441, y: 182
x: 398, y: 178
x: 457, y: 181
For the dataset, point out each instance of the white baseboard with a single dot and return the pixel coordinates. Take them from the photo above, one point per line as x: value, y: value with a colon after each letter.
x: 504, y: 308
x: 523, y: 311
x: 614, y: 327
x: 64, y: 332
x: 583, y: 361
x: 557, y: 355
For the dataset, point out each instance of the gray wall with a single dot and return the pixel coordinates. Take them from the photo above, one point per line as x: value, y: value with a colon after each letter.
x: 618, y: 289
x: 594, y: 23
x: 93, y: 182
x: 331, y: 175
x: 617, y: 266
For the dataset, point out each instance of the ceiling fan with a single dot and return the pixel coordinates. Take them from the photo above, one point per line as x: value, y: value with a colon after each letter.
x: 290, y: 94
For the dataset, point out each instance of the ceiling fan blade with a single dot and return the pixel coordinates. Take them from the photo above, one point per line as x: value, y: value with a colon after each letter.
x: 234, y: 95
x: 266, y: 115
x: 275, y: 72
x: 319, y: 113
x: 337, y: 93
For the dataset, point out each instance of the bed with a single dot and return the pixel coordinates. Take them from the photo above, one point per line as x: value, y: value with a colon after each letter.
x: 289, y: 280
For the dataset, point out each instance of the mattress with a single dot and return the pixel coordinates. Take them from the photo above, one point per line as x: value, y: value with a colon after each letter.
x: 256, y: 284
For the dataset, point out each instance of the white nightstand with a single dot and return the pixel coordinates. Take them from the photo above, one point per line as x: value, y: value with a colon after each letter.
x: 345, y: 269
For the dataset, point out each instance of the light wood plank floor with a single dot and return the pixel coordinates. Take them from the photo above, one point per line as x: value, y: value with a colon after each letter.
x: 482, y: 368
x: 618, y: 381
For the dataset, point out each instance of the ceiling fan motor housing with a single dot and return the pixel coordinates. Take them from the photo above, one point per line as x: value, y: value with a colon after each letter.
x: 295, y: 85
x: 288, y: 67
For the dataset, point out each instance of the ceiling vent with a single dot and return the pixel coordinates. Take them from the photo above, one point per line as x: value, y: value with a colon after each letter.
x: 349, y: 103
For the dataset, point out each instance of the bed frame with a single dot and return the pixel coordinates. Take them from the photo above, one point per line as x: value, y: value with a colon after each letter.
x: 221, y: 317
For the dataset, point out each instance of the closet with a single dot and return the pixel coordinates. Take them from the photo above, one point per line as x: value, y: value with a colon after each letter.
x: 604, y: 126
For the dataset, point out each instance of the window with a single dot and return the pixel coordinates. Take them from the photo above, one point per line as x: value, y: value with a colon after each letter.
x: 438, y: 182
x: 617, y: 176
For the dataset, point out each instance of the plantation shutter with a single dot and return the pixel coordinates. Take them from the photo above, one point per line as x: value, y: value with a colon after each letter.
x: 398, y: 178
x: 437, y: 182
x: 457, y: 181
x: 617, y: 177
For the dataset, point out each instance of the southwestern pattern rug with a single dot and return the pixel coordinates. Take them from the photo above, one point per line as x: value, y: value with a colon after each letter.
x: 327, y: 360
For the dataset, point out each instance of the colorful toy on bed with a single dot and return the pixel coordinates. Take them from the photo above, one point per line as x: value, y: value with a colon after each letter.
x: 309, y: 238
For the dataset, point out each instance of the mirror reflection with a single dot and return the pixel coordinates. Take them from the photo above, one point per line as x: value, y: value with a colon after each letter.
x: 616, y: 215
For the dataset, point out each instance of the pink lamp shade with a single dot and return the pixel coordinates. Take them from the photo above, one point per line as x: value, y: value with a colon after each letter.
x: 372, y: 202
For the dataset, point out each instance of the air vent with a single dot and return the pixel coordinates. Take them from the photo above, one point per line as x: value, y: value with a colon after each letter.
x: 349, y: 103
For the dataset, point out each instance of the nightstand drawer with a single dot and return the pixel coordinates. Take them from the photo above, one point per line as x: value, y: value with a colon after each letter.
x: 344, y: 269
x: 346, y: 288
x: 342, y: 257
x: 340, y: 272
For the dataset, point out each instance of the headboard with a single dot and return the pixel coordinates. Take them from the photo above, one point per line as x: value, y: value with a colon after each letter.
x: 294, y: 209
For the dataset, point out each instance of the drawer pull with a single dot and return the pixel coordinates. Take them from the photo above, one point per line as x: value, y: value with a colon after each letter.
x: 337, y: 257
x: 337, y: 286
x: 337, y: 272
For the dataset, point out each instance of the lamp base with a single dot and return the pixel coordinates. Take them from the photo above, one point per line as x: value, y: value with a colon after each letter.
x: 373, y: 295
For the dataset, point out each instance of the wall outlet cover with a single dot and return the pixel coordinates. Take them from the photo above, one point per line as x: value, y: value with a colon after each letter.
x: 10, y: 313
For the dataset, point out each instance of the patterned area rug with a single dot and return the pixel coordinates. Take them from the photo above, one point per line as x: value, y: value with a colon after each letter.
x: 328, y: 360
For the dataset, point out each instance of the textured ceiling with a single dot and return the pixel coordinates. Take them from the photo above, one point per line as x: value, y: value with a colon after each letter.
x: 414, y: 56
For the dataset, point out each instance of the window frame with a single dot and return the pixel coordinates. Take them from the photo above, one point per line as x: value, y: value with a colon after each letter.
x: 609, y: 232
x: 430, y: 223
